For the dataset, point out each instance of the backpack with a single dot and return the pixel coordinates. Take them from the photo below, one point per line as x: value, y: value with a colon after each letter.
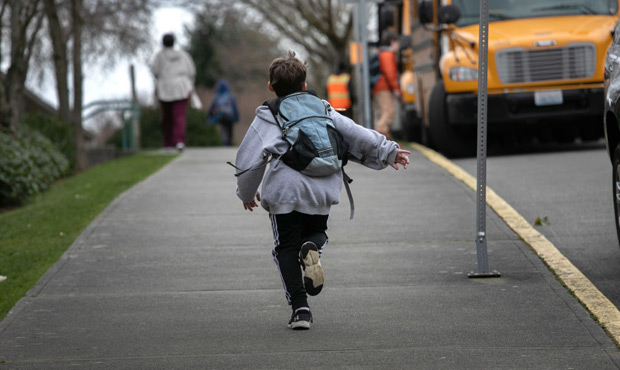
x: 223, y: 109
x: 374, y: 70
x: 317, y: 148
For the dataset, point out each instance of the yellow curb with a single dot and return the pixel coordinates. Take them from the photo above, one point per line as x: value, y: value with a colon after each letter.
x: 595, y: 302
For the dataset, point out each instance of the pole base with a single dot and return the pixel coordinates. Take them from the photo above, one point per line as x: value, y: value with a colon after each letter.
x: 490, y: 274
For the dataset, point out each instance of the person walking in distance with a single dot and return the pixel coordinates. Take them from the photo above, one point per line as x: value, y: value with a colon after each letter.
x: 297, y: 199
x: 223, y: 111
x: 387, y: 87
x: 174, y: 71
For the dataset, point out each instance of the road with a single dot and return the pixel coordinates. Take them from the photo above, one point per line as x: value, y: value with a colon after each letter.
x: 571, y: 186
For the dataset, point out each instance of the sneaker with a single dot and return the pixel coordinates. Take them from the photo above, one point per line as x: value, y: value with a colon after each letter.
x: 301, y: 319
x: 180, y: 147
x: 313, y: 271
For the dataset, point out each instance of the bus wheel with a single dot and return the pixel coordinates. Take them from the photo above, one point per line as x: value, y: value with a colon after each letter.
x: 439, y: 134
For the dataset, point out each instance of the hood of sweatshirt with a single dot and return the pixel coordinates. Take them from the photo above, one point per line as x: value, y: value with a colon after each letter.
x: 222, y: 87
x: 263, y: 112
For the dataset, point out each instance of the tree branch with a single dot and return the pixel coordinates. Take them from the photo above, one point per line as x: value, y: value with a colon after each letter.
x: 296, y: 20
x: 33, y: 36
x: 285, y: 23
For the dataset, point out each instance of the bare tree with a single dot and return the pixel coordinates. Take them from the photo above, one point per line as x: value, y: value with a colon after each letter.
x: 116, y: 28
x: 59, y: 38
x: 5, y: 112
x: 78, y: 31
x: 25, y: 23
x: 78, y: 82
x: 91, y: 30
x: 322, y: 27
x: 215, y: 41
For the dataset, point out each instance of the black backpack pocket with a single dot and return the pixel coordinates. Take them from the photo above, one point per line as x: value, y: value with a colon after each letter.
x: 301, y: 153
x: 338, y: 142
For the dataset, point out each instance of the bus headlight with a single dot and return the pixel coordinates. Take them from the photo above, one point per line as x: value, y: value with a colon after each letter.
x: 463, y: 74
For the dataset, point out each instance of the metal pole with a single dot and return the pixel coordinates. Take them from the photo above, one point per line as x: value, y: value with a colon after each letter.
x: 363, y: 23
x: 360, y: 32
x: 135, y: 137
x: 481, y: 237
x: 124, y: 133
x: 359, y: 90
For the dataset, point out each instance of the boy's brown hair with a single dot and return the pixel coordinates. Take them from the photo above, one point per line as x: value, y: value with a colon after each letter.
x: 287, y: 74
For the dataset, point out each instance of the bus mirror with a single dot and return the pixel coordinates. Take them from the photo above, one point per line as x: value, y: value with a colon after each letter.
x: 448, y: 14
x: 426, y: 12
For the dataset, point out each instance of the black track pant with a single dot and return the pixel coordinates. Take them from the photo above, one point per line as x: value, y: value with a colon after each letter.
x: 290, y: 231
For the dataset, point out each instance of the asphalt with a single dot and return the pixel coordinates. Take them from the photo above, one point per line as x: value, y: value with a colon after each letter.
x: 174, y: 274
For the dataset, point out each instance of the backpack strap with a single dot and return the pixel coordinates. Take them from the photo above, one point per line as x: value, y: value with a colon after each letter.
x: 262, y: 163
x: 347, y: 180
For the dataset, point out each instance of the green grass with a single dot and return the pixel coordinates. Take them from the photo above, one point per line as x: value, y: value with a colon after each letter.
x: 33, y: 237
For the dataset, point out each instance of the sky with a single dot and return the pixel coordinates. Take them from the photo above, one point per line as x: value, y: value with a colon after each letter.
x: 110, y: 84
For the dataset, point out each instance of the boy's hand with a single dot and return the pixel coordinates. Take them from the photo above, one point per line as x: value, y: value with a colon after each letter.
x: 401, y: 158
x: 252, y: 204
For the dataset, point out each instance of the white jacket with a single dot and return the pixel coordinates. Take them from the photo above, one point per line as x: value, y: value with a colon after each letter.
x: 175, y: 72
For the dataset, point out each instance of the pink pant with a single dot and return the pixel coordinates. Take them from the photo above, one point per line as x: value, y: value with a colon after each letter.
x: 173, y: 121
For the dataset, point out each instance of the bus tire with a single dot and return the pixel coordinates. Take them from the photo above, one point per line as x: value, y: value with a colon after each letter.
x: 439, y: 134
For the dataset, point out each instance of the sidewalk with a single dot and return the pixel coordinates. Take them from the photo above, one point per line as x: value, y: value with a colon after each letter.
x: 176, y: 275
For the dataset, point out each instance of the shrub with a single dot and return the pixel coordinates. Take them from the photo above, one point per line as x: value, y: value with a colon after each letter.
x: 197, y: 132
x: 29, y: 164
x: 58, y: 131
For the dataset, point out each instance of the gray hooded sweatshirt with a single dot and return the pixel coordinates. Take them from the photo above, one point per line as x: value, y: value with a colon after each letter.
x: 284, y: 189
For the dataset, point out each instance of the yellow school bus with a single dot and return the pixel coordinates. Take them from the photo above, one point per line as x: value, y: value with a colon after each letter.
x: 545, y: 67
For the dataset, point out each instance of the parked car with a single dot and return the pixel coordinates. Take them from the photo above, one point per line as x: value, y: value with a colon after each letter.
x: 612, y: 112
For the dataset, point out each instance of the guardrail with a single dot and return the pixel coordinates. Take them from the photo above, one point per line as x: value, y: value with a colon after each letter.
x: 130, y: 114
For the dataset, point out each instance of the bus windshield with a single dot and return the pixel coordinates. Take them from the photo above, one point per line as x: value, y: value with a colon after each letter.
x: 516, y: 9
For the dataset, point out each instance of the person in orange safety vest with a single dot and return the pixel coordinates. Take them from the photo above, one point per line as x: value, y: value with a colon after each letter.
x: 339, y: 91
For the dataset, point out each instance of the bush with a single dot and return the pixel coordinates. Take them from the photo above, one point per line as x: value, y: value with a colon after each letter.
x: 58, y: 131
x: 197, y: 132
x: 29, y: 164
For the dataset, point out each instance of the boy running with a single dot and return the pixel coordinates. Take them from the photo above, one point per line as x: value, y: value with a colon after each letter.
x: 299, y: 205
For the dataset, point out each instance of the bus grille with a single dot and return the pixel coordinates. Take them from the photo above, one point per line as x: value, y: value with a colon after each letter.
x: 519, y: 65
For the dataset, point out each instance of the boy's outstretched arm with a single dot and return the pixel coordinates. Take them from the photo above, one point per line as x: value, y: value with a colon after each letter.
x: 253, y: 203
x: 401, y: 158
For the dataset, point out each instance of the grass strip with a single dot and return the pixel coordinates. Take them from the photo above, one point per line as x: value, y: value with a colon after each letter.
x: 34, y: 237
